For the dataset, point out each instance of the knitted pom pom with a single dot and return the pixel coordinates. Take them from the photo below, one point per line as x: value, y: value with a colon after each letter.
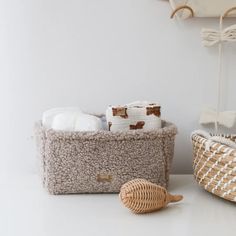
x: 141, y: 196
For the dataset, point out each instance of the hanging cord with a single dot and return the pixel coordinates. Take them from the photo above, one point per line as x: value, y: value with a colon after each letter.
x: 219, y: 82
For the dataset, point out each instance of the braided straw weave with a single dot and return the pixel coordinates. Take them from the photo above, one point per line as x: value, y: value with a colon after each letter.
x: 215, y: 163
x: 142, y: 196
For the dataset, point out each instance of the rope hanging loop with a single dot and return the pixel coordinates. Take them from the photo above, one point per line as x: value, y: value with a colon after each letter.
x: 182, y: 8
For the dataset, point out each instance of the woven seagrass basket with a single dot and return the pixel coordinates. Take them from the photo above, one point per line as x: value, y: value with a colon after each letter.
x: 214, y: 163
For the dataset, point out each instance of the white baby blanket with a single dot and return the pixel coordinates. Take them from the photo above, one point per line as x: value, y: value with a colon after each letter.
x: 133, y: 116
x: 204, y: 8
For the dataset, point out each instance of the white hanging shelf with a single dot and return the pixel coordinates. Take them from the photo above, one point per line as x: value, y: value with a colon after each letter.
x: 201, y: 8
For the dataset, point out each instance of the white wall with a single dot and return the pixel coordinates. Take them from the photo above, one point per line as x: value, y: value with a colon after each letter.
x: 92, y: 53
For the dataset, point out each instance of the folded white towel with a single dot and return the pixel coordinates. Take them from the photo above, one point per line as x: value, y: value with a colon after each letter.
x: 76, y: 121
x: 132, y: 116
x: 70, y: 119
x: 49, y: 115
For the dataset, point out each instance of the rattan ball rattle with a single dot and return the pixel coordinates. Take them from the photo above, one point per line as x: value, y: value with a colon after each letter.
x: 142, y: 196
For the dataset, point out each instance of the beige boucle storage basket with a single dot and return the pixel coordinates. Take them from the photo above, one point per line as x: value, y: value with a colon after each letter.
x: 101, y: 162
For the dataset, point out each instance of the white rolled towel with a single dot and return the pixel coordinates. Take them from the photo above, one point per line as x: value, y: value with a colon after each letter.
x: 137, y: 115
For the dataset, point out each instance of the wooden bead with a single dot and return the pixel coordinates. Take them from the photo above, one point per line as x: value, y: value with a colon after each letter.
x: 142, y: 196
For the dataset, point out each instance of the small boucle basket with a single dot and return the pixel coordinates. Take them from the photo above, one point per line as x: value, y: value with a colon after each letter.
x: 214, y: 163
x: 101, y: 162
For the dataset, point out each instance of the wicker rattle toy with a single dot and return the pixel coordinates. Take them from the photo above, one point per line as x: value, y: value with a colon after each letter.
x: 142, y: 196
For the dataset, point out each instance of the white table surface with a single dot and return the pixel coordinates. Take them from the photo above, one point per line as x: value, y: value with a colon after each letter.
x: 27, y: 209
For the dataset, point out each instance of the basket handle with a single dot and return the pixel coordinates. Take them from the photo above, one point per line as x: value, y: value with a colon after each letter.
x: 224, y: 141
x: 201, y: 133
x: 218, y: 139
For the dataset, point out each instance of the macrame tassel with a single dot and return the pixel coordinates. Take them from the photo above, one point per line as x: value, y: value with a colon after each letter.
x: 212, y: 37
x: 226, y: 118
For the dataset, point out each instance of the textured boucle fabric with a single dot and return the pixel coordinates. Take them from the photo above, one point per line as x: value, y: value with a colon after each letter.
x: 101, y: 162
